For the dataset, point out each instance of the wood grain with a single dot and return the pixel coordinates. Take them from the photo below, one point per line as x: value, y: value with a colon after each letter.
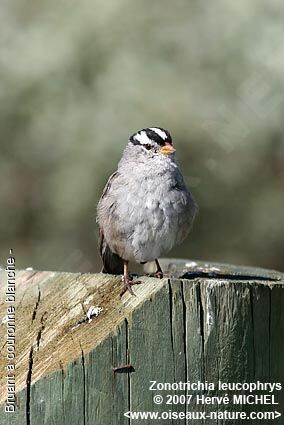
x: 204, y: 328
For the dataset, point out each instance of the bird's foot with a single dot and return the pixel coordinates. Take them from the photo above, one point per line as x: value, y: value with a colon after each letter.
x: 128, y: 283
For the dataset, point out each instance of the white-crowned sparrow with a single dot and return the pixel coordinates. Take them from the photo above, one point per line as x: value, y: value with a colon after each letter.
x: 145, y: 208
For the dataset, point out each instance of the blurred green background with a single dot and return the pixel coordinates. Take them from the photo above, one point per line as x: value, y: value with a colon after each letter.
x: 77, y: 78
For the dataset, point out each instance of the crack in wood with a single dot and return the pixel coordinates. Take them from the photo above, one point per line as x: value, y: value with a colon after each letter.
x: 84, y: 383
x: 171, y: 314
x: 31, y: 276
x: 41, y: 329
x: 28, y: 384
x: 184, y: 336
x: 62, y: 386
x: 128, y: 361
x: 36, y: 305
x: 201, y: 321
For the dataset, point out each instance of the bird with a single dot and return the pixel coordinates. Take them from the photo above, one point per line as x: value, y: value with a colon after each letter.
x: 145, y: 208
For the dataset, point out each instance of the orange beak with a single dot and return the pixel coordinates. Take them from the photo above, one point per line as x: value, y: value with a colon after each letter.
x: 168, y: 149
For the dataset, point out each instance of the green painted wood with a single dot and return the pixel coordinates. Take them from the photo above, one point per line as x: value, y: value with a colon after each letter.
x: 19, y: 416
x: 120, y: 395
x: 151, y: 350
x: 178, y: 330
x: 107, y: 393
x: 47, y: 400
x: 199, y: 329
x: 74, y: 393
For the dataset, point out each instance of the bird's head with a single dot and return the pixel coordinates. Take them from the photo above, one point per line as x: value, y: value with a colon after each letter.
x: 153, y: 141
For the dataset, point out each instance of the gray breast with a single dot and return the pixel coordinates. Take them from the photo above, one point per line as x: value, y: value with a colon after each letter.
x: 145, y: 215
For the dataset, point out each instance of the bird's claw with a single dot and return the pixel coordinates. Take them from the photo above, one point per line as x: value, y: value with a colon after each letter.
x: 128, y: 283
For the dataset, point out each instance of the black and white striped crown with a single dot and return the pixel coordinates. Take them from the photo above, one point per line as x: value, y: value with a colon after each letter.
x: 149, y: 135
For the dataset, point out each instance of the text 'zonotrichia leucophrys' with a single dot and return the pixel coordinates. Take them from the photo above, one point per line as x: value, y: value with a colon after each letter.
x: 145, y: 208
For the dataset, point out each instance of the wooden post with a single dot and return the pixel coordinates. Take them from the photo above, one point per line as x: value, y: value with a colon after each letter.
x: 207, y: 323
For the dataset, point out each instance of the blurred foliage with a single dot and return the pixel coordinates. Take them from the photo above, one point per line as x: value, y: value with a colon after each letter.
x: 77, y: 78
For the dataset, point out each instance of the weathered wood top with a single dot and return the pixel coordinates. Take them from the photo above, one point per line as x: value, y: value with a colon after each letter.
x: 48, y: 307
x: 201, y: 313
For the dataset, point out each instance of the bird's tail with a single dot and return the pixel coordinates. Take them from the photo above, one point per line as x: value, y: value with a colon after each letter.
x: 112, y: 263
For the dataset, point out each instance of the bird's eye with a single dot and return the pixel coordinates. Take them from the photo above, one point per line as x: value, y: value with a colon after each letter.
x: 148, y: 146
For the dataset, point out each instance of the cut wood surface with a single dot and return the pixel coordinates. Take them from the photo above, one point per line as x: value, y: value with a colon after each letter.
x: 205, y: 322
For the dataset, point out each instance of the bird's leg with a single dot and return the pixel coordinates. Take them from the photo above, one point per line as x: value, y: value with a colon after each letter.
x: 159, y: 272
x: 127, y: 279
